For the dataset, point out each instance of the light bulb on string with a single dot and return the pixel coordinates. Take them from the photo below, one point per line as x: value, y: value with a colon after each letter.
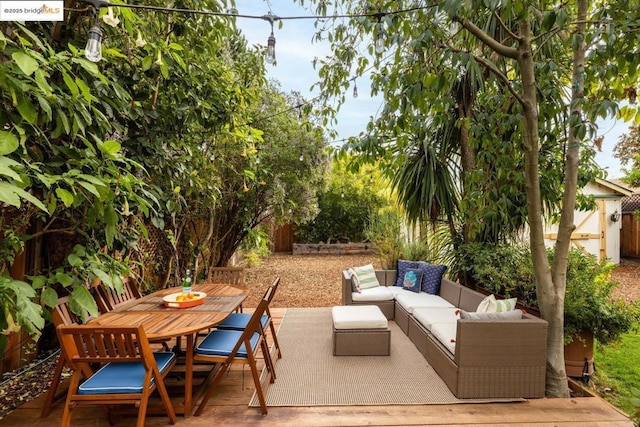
x: 301, y: 158
x: 270, y: 56
x: 93, y: 49
x: 271, y: 50
x: 379, y: 38
x: 355, y: 89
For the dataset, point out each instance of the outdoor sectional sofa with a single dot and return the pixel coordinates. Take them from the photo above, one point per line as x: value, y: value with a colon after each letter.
x: 476, y: 358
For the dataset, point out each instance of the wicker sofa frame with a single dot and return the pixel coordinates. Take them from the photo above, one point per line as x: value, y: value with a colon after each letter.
x: 493, y: 358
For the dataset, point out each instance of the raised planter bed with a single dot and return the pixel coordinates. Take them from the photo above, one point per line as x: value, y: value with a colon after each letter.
x: 332, y: 248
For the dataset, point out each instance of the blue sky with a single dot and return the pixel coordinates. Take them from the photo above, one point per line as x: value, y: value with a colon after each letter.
x: 295, y: 52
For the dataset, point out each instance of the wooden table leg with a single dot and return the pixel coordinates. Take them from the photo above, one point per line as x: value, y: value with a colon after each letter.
x: 188, y: 377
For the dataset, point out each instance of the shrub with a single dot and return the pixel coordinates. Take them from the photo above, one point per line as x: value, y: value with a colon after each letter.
x: 507, y: 270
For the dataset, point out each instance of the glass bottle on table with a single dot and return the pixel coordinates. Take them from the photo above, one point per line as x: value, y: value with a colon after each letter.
x: 186, y: 283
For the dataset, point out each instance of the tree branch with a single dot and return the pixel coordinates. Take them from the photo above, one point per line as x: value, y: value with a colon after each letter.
x: 513, y: 35
x: 485, y: 38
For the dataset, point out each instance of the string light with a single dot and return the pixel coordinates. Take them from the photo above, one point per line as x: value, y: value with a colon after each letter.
x: 93, y: 49
x: 95, y: 34
x: 355, y: 88
x: 380, y: 38
x: 270, y: 57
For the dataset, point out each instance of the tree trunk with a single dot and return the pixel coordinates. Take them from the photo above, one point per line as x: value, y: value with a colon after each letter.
x: 556, y: 377
x: 550, y: 296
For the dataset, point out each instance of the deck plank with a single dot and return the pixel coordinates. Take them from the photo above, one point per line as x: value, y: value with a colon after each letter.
x: 228, y: 407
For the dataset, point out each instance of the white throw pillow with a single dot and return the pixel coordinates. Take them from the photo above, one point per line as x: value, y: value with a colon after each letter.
x: 366, y: 276
x: 355, y: 283
x: 491, y: 305
x: 502, y: 305
x: 483, y: 307
x: 505, y: 315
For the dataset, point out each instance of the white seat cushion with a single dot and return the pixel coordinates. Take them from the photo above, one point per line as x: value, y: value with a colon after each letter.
x: 410, y: 300
x: 428, y: 316
x: 380, y: 293
x: 446, y: 334
x: 358, y: 317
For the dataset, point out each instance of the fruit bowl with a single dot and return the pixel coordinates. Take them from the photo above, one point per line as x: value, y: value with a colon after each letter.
x: 175, y: 300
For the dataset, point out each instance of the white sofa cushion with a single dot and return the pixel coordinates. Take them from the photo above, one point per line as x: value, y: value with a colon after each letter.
x: 379, y: 293
x: 446, y: 334
x: 358, y: 317
x: 410, y: 300
x: 428, y: 316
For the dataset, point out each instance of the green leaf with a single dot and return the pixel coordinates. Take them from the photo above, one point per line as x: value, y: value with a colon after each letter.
x: 93, y: 179
x: 86, y: 92
x: 81, y: 303
x: 110, y: 216
x: 146, y: 63
x: 63, y: 278
x: 103, y: 276
x: 73, y: 88
x: 12, y: 195
x: 26, y: 63
x: 74, y: 260
x: 25, y: 107
x: 49, y: 297
x: 110, y: 147
x: 7, y: 171
x: 42, y: 83
x: 91, y: 67
x: 90, y: 188
x: 30, y: 316
x: 44, y: 105
x: 8, y: 143
x: 65, y: 196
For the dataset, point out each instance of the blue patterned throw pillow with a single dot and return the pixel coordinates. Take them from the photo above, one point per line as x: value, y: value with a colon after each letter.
x: 412, y: 280
x: 402, y: 268
x: 431, y: 277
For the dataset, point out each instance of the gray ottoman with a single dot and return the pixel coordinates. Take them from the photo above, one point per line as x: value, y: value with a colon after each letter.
x: 360, y: 330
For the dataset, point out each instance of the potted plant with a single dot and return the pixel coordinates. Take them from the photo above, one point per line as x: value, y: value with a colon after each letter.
x: 591, y: 312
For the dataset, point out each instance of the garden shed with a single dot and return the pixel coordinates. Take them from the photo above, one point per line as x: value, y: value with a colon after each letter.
x: 597, y: 231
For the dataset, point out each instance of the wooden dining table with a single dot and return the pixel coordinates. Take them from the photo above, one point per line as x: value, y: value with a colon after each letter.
x: 164, y: 323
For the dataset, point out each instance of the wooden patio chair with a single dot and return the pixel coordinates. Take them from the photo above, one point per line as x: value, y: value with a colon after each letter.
x: 129, y: 370
x: 227, y: 347
x: 239, y: 321
x: 229, y: 275
x: 109, y: 298
x: 60, y: 315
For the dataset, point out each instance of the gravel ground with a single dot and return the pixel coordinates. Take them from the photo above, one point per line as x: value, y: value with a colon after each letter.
x: 306, y: 281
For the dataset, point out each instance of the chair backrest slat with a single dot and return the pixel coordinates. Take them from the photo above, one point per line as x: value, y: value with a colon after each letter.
x: 87, y: 344
x: 228, y: 275
x: 110, y: 298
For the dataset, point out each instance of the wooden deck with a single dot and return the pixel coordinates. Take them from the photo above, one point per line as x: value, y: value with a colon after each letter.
x: 228, y: 407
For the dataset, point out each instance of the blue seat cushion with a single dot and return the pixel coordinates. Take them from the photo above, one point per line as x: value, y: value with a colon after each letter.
x: 220, y: 342
x: 118, y: 378
x: 239, y: 321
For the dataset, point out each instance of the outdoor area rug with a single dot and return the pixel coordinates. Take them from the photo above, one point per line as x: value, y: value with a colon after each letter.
x: 309, y: 375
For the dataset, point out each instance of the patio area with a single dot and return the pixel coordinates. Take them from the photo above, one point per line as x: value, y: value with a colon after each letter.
x: 229, y: 406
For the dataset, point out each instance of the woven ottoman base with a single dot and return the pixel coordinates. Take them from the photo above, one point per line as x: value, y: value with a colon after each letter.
x: 362, y: 339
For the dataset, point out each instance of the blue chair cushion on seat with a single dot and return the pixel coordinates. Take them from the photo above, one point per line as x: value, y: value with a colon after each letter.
x: 118, y: 378
x: 239, y: 321
x: 220, y: 342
